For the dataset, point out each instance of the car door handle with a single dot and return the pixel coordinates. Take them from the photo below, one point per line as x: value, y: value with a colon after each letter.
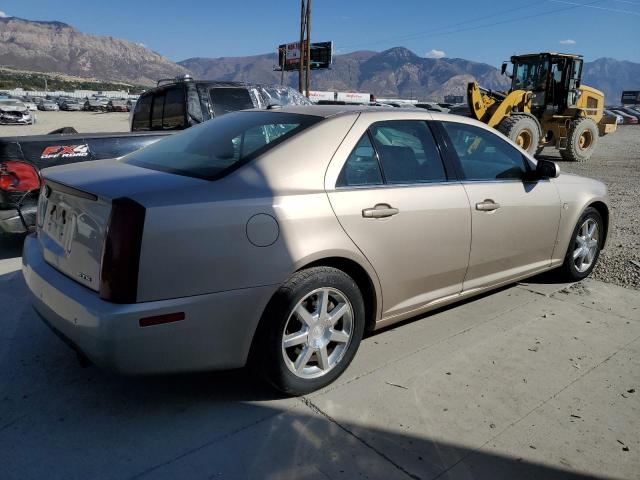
x: 381, y: 210
x: 487, y: 206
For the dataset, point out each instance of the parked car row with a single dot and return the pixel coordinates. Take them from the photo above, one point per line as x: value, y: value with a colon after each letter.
x: 627, y: 115
x: 71, y: 104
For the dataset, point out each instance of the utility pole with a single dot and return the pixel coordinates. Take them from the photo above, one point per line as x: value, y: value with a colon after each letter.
x: 301, y: 62
x: 308, y: 49
x: 284, y: 62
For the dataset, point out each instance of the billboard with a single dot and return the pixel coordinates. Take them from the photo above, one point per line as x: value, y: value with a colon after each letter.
x: 630, y: 97
x: 289, y: 55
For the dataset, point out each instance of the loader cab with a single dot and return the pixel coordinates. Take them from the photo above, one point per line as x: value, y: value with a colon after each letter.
x: 553, y: 79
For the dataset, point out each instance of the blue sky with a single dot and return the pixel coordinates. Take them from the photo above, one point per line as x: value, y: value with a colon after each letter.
x: 481, y: 30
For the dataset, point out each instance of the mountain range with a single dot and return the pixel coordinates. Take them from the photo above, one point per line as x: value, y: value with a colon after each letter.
x: 58, y: 47
x: 397, y: 72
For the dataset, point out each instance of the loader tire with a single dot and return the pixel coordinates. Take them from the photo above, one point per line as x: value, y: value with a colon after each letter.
x: 523, y: 129
x: 581, y: 140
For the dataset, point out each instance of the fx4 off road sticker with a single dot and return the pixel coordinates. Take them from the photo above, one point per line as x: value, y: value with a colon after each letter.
x: 65, y: 151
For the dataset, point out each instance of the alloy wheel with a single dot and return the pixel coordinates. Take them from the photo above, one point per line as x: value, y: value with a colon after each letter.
x: 586, y: 245
x: 317, y: 333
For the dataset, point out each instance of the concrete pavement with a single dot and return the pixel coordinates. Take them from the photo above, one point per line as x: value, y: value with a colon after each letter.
x: 537, y: 380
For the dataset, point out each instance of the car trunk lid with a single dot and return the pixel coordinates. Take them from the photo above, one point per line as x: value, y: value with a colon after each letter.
x: 76, y: 204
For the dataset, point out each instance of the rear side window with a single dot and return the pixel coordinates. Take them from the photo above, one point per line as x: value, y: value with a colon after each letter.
x: 407, y: 152
x: 173, y: 116
x: 361, y: 168
x: 229, y: 99
x: 216, y: 147
x: 484, y: 155
x: 142, y: 113
x: 401, y: 152
x: 156, y: 112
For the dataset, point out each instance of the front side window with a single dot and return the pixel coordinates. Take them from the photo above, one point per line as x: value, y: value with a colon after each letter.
x: 212, y: 149
x: 483, y: 155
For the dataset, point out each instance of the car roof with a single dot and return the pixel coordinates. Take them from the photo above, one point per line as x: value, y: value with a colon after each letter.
x: 326, y: 111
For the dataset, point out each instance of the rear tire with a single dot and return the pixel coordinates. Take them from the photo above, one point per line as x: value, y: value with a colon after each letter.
x: 582, y: 139
x: 523, y: 129
x: 299, y: 346
x: 584, y: 248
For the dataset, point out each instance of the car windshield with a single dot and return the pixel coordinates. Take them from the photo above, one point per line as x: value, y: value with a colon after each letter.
x: 214, y: 148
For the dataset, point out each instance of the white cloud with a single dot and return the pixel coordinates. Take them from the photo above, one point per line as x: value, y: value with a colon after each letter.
x: 434, y: 53
x: 3, y: 15
x: 568, y: 41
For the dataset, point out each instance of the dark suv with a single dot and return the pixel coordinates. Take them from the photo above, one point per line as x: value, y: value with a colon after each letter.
x: 179, y: 104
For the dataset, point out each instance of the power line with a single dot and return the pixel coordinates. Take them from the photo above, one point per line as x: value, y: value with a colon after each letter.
x: 607, y: 9
x: 444, y: 27
x: 492, y: 24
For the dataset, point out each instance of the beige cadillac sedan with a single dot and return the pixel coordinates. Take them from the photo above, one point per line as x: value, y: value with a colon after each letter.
x: 275, y: 238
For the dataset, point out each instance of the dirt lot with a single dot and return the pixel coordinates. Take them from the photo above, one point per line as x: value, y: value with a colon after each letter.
x: 81, y: 121
x: 617, y: 163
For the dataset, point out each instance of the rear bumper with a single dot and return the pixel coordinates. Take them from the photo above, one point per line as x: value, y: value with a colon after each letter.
x: 216, y: 333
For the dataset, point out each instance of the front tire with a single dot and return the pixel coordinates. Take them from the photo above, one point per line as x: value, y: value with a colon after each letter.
x: 584, y: 248
x: 310, y: 331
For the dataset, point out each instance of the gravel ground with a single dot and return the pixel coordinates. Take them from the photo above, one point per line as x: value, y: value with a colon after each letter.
x: 81, y: 121
x: 617, y: 163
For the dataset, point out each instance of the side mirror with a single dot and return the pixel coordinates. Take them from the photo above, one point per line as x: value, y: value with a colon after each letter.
x: 547, y: 169
x: 504, y: 68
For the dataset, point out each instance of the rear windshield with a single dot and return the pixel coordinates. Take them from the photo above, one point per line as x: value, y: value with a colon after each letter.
x: 216, y: 147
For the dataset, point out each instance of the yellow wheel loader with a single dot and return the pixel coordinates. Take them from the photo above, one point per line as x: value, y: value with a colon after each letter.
x: 546, y: 106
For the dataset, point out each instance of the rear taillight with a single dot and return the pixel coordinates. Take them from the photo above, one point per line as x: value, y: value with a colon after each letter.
x: 121, y: 252
x: 18, y: 177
